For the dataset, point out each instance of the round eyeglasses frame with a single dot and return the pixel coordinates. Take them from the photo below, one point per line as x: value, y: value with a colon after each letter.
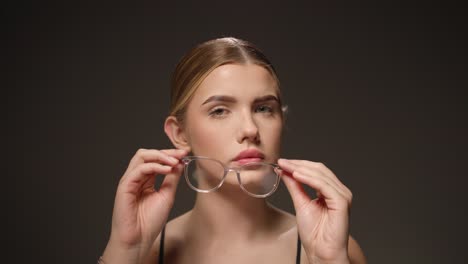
x: 186, y: 160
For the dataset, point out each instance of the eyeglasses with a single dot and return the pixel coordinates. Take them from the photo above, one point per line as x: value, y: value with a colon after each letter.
x: 257, y: 179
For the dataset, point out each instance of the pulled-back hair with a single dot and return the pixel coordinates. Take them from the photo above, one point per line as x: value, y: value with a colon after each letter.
x: 200, y: 61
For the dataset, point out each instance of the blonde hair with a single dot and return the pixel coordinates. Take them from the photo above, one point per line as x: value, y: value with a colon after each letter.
x: 203, y: 59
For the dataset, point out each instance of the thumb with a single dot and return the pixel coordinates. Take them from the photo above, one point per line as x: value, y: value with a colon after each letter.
x: 170, y: 182
x: 298, y: 195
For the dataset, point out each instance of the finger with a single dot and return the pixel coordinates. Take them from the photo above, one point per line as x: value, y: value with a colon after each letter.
x: 170, y: 183
x: 322, y: 167
x: 298, y: 195
x: 334, y: 199
x: 286, y: 165
x: 134, y: 180
x: 315, y: 172
x: 167, y: 156
x: 176, y: 153
x: 293, y: 167
x: 320, y: 170
x: 149, y: 184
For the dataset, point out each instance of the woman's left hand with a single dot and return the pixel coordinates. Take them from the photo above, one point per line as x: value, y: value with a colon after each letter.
x: 323, y: 222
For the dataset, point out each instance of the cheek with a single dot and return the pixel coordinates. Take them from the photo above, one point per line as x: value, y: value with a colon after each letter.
x: 272, y: 130
x: 271, y: 137
x: 207, y: 139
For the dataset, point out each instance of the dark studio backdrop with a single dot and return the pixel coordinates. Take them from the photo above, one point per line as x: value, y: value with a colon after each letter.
x: 374, y: 92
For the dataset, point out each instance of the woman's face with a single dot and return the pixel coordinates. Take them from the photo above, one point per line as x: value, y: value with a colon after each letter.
x: 236, y: 108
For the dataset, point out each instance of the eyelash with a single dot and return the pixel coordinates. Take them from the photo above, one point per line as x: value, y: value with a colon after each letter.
x: 220, y: 111
x: 215, y: 112
x: 269, y: 109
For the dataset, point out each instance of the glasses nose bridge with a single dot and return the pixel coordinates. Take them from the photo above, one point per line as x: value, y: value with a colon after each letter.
x: 228, y: 170
x: 236, y: 170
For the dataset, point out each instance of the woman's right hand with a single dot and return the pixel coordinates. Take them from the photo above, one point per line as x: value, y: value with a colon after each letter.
x: 140, y: 211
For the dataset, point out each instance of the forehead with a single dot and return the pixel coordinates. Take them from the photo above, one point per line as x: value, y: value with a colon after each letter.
x: 238, y: 80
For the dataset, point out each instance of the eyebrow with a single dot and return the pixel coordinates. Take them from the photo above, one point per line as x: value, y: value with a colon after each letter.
x: 230, y: 99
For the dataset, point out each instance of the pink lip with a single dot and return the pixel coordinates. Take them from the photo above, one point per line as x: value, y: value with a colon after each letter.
x: 249, y: 155
x: 248, y: 160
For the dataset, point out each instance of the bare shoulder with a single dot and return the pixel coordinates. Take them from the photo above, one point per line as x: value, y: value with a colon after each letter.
x: 173, y: 235
x: 285, y: 221
x: 174, y: 228
x: 356, y: 255
x: 283, y: 215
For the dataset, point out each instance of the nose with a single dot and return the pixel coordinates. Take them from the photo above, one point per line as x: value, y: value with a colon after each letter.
x: 248, y: 129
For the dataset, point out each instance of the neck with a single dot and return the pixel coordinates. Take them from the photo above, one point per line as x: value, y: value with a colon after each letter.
x: 231, y: 214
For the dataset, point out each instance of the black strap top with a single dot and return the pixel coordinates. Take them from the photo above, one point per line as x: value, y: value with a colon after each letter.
x: 161, y: 248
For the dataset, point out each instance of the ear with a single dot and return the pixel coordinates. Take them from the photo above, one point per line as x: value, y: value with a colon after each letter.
x: 175, y: 133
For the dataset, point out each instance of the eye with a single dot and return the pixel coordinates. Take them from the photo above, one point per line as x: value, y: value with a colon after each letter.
x: 218, y: 112
x: 264, y: 109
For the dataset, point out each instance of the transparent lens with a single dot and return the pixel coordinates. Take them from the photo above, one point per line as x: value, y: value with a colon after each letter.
x: 204, y: 174
x: 259, y: 178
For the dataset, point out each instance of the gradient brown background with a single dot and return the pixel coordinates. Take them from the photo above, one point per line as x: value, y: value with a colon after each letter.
x: 375, y: 92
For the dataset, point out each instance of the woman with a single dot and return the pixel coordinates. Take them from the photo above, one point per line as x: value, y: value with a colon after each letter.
x: 226, y: 110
